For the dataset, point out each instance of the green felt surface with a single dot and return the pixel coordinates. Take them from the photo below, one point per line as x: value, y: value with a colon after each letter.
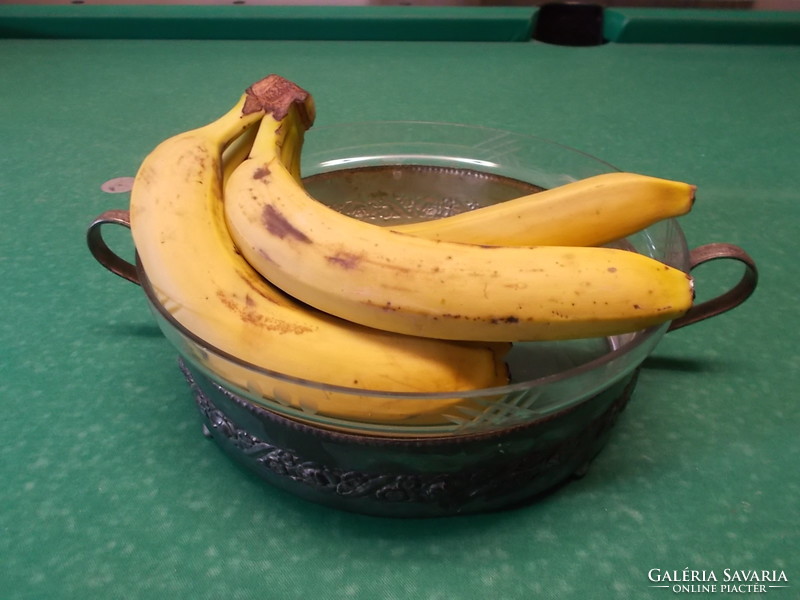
x: 109, y: 490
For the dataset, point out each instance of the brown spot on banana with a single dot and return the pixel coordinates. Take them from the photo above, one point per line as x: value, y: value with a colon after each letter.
x: 227, y: 301
x: 451, y: 316
x: 258, y: 319
x: 346, y: 260
x: 261, y: 172
x: 386, y: 263
x: 508, y: 319
x: 279, y: 226
x: 255, y: 288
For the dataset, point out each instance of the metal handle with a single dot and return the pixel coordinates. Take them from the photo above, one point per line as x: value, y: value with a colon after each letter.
x: 727, y: 300
x: 100, y: 250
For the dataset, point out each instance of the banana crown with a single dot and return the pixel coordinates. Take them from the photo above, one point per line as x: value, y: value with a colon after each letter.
x: 276, y: 96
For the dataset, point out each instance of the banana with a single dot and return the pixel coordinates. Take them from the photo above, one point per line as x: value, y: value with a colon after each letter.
x: 407, y: 284
x: 237, y: 151
x: 198, y: 277
x: 588, y: 212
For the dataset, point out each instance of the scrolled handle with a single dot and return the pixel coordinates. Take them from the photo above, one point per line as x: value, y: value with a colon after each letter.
x: 727, y: 300
x: 100, y: 250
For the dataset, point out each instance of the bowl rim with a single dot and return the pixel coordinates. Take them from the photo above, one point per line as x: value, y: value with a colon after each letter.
x: 371, y: 124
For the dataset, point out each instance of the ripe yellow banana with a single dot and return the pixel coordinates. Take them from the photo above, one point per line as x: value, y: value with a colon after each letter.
x: 589, y: 212
x: 190, y: 260
x: 237, y: 151
x: 403, y: 283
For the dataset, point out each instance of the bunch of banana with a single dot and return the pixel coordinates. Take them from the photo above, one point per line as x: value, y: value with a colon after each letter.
x: 379, y: 309
x: 199, y: 277
x: 394, y: 281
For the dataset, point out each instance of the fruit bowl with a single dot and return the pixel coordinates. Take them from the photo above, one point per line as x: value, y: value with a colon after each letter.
x: 404, y: 454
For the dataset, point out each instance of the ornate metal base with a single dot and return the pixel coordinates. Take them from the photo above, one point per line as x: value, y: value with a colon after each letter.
x: 410, y: 477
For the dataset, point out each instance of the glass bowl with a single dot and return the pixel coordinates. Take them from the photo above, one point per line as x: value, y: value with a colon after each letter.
x: 404, y: 454
x: 424, y: 170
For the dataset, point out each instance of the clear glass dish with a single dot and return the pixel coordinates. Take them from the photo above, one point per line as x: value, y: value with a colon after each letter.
x: 426, y: 170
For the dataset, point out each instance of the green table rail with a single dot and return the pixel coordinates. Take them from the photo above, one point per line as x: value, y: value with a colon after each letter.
x: 500, y: 24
